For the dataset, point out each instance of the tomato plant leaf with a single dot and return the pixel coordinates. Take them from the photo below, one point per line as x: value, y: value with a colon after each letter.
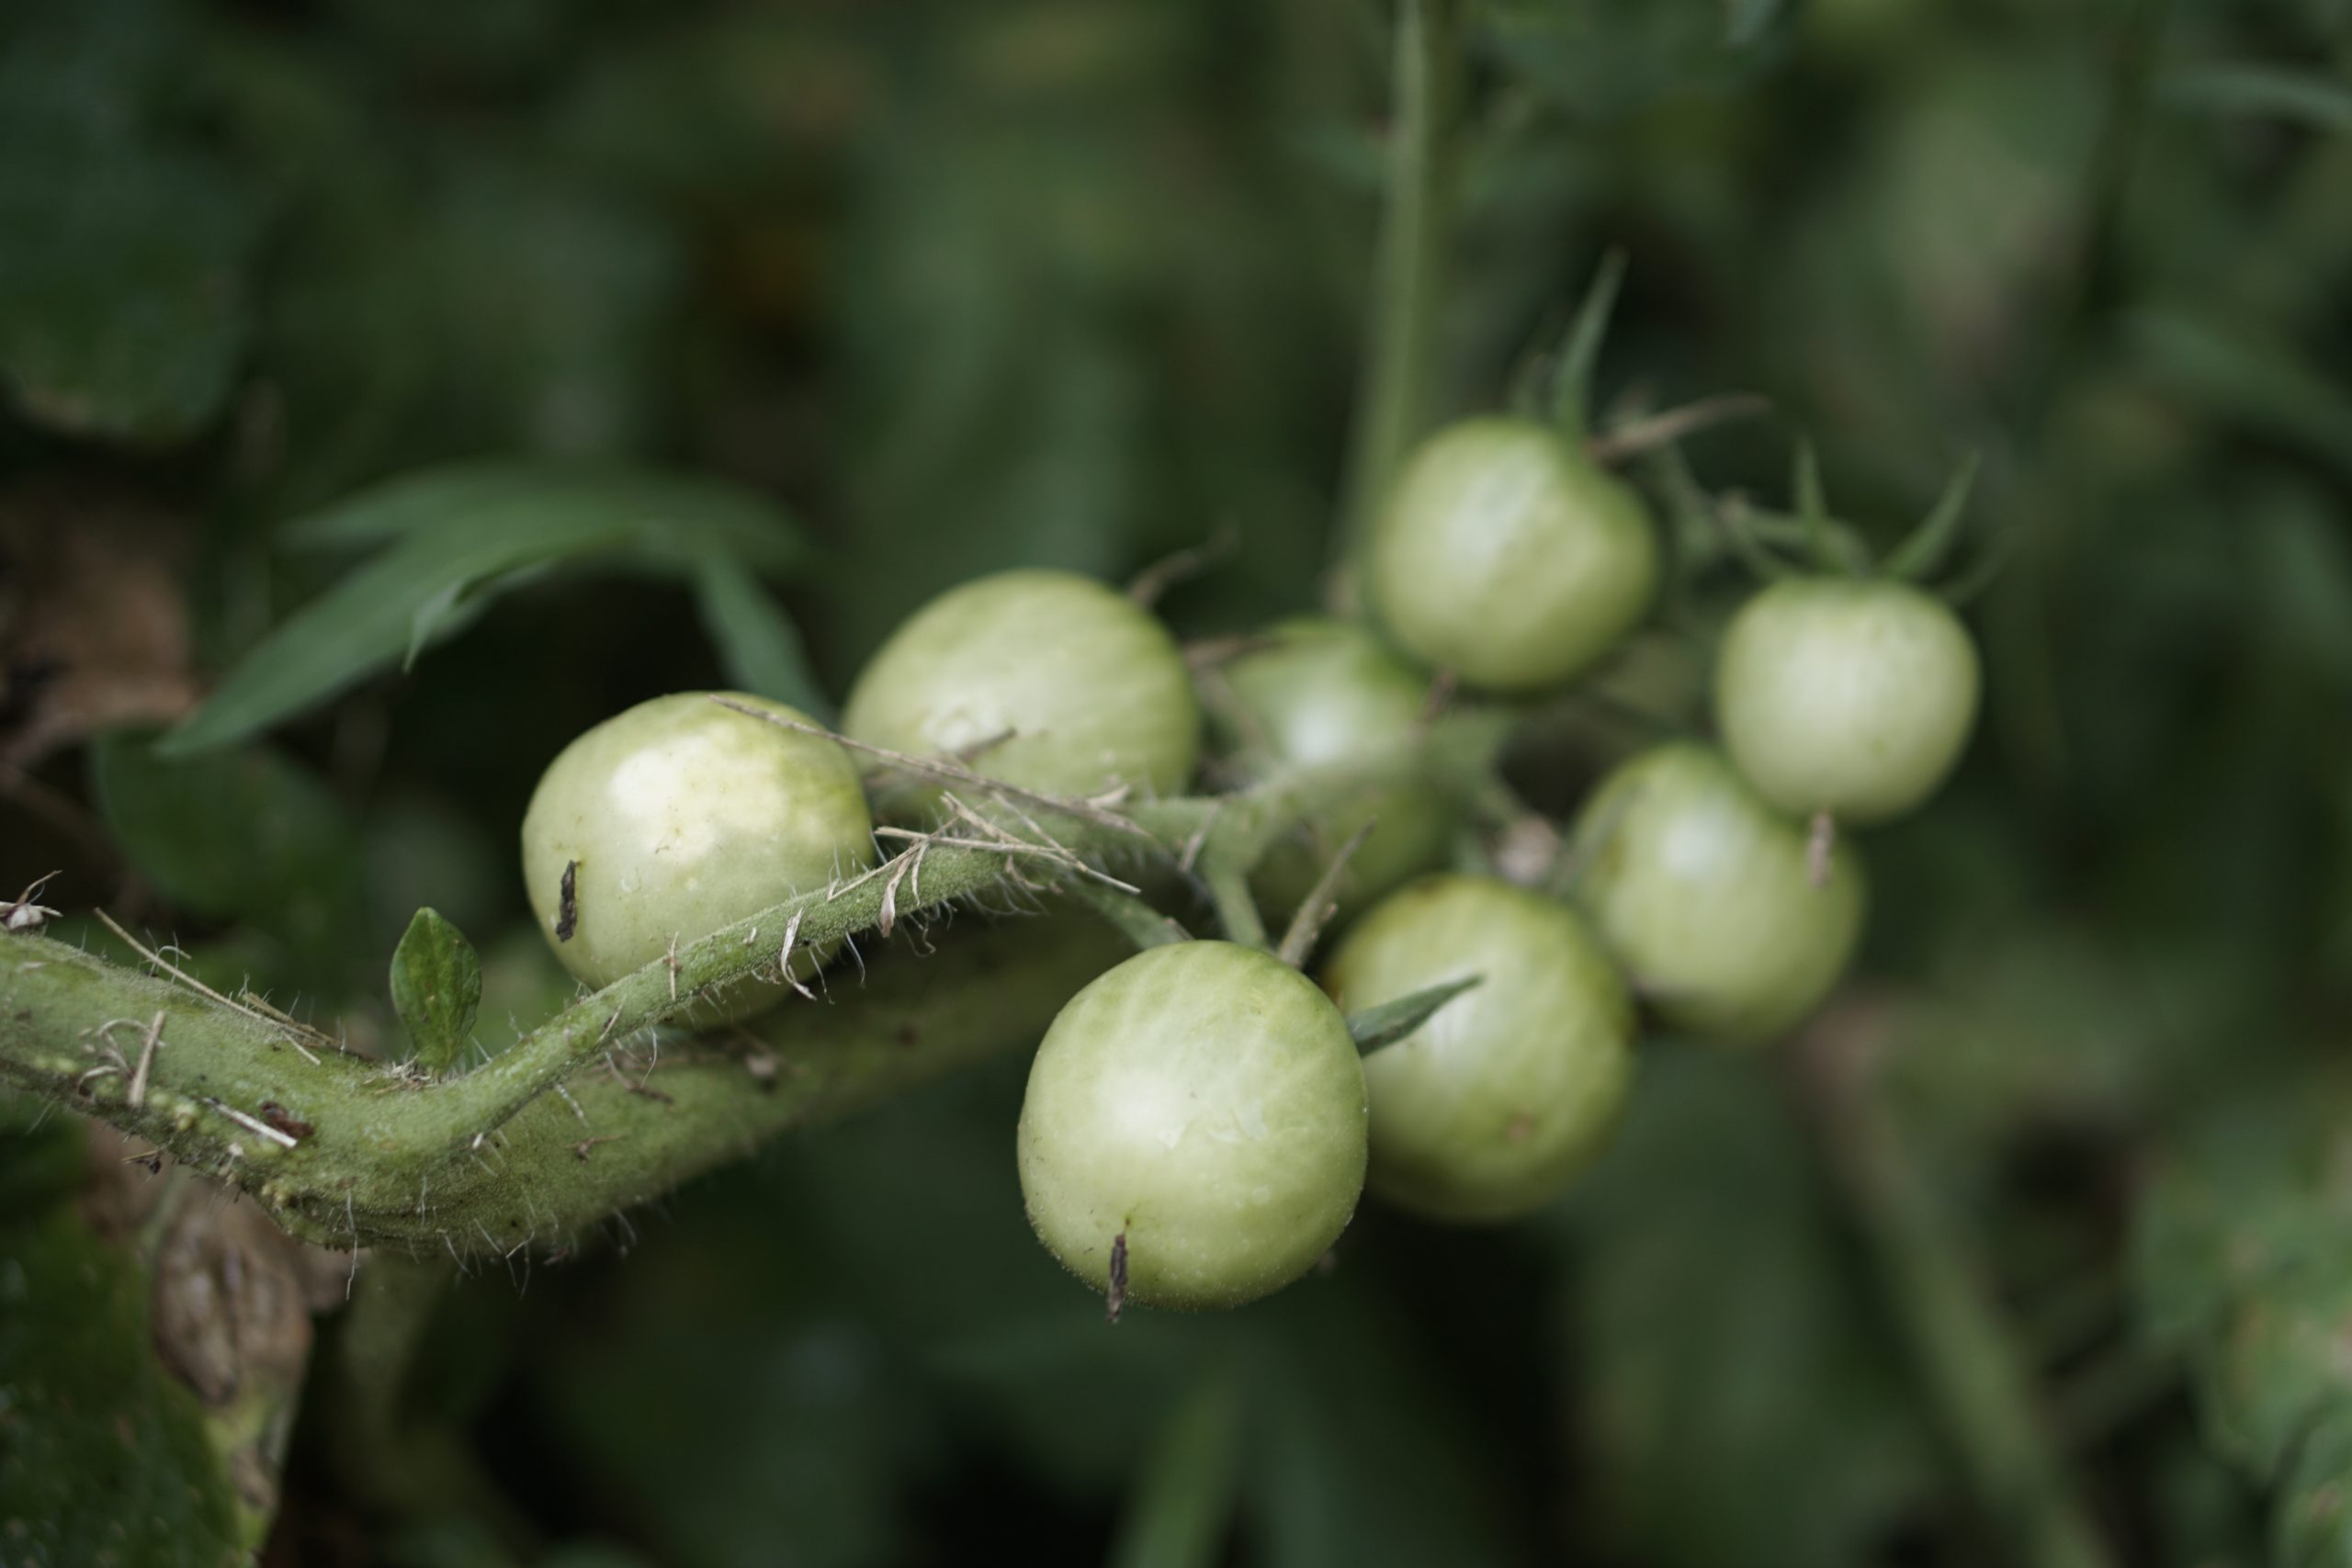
x: 364, y: 622
x: 453, y: 538
x: 436, y: 989
x: 245, y: 834
x: 673, y: 521
x: 1391, y: 1021
x: 759, y: 648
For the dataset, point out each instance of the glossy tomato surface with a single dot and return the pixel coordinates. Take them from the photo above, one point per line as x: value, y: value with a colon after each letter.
x: 1703, y: 892
x: 1323, y: 691
x: 1846, y: 695
x: 1487, y: 1110
x: 1508, y: 556
x: 1205, y: 1101
x: 679, y: 817
x: 1044, y: 679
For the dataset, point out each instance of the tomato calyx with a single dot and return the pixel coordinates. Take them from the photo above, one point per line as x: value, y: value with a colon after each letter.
x: 1832, y: 548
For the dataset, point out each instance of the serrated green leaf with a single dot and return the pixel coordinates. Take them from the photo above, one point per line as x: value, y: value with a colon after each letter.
x: 2304, y: 98
x: 436, y: 989
x: 454, y: 538
x: 103, y: 1456
x: 759, y: 647
x: 675, y: 521
x: 1391, y: 1021
x: 364, y: 622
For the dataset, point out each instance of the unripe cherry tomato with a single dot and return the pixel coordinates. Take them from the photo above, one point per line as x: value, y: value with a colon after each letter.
x: 1704, y: 892
x: 1489, y: 1109
x: 1508, y: 556
x: 1087, y: 688
x: 1850, y: 696
x: 1200, y: 1110
x: 1324, y: 691
x: 678, y: 816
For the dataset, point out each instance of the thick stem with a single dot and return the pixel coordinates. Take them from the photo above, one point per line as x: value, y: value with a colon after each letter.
x: 383, y: 1164
x: 1409, y: 270
x: 346, y: 1152
x: 1969, y: 1362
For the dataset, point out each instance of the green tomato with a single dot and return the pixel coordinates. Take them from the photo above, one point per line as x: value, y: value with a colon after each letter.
x: 1851, y: 696
x: 1508, y: 556
x: 1091, y: 690
x: 1488, y: 1110
x: 1324, y: 692
x: 1205, y: 1101
x: 1703, y: 893
x: 679, y: 817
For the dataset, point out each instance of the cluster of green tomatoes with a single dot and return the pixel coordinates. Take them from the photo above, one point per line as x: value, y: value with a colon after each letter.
x: 1199, y: 1124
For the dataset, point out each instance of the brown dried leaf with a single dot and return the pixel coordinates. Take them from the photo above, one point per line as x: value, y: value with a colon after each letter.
x: 93, y: 629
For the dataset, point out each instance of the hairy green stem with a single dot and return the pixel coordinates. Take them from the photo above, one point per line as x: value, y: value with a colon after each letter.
x: 592, y: 1113
x: 1408, y: 282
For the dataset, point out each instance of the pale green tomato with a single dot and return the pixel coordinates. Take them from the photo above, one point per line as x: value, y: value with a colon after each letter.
x: 1508, y: 556
x: 1488, y: 1110
x: 1845, y: 695
x: 1092, y: 690
x: 1204, y: 1100
x: 1324, y: 692
x: 1702, y: 891
x: 681, y: 817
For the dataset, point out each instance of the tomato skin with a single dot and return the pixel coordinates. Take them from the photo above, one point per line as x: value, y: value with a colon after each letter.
x: 1703, y: 893
x: 681, y: 817
x: 1094, y: 690
x: 1491, y: 1108
x: 1851, y: 696
x: 1509, y: 557
x: 1327, y: 691
x: 1205, y: 1100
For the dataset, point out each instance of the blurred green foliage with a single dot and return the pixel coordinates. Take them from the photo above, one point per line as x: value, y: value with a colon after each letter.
x: 406, y: 321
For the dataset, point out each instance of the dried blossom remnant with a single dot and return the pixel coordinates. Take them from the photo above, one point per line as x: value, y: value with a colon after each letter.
x: 1115, y: 1297
x: 285, y: 1121
x: 567, y: 917
x: 22, y: 913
